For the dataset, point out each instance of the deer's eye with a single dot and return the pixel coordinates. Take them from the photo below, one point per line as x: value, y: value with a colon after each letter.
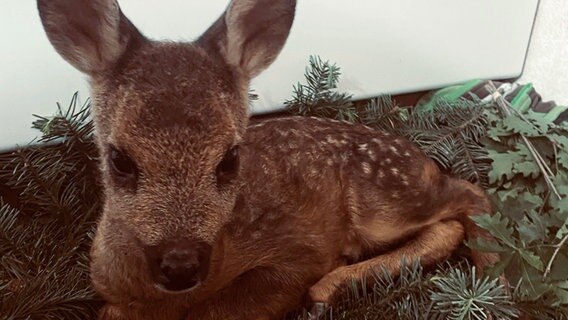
x: 228, y: 167
x: 122, y: 165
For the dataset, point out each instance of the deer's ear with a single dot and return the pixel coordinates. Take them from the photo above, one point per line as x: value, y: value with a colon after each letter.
x: 251, y: 33
x: 92, y: 35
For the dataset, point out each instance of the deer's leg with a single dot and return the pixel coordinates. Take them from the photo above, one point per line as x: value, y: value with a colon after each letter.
x: 262, y: 294
x: 432, y: 244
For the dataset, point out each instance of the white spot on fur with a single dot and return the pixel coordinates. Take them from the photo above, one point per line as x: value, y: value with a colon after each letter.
x: 265, y: 169
x: 395, y: 171
x: 394, y: 150
x: 363, y: 147
x: 372, y: 155
x: 336, y: 142
x: 284, y: 133
x: 297, y: 132
x: 406, y: 154
x: 258, y: 125
x: 332, y: 140
x: 404, y: 179
x: 366, y: 168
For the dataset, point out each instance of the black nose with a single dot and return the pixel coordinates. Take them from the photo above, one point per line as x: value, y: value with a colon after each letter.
x: 180, y: 266
x: 180, y: 269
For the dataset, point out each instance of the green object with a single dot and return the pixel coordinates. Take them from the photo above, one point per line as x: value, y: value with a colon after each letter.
x: 522, y: 98
x: 452, y: 94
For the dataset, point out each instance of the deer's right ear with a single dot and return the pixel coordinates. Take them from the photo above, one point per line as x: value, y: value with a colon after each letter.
x: 251, y: 33
x: 92, y: 35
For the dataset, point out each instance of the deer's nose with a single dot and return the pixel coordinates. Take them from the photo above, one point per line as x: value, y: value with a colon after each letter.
x: 180, y: 266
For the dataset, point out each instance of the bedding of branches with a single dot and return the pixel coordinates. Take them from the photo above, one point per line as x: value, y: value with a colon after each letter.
x: 520, y: 159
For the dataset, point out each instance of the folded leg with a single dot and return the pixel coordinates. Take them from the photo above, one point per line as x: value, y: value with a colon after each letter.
x: 432, y: 244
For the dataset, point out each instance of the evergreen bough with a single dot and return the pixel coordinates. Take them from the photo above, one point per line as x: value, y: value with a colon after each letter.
x: 521, y: 161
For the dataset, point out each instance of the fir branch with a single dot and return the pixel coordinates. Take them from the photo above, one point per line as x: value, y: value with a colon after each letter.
x: 462, y: 295
x: 318, y: 97
x: 450, y: 292
x: 44, y: 247
x: 385, y: 114
x: 450, y: 135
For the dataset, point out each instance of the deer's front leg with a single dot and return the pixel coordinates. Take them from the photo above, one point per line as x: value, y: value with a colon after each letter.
x: 260, y: 294
x: 110, y: 312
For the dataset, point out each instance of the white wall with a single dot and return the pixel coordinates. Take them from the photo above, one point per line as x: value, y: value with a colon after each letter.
x: 383, y: 46
x: 547, y: 62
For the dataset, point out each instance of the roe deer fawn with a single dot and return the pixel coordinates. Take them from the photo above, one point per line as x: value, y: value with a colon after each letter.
x: 206, y: 217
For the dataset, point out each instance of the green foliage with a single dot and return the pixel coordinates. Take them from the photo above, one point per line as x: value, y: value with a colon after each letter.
x: 44, y: 246
x: 449, y: 292
x: 531, y: 225
x: 461, y: 295
x: 450, y: 135
x: 319, y: 95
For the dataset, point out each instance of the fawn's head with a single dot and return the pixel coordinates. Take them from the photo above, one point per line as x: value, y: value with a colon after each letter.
x: 169, y: 118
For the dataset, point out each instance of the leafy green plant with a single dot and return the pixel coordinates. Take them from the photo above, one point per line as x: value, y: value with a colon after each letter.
x: 529, y: 188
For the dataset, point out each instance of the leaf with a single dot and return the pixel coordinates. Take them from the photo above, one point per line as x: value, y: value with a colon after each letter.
x: 563, y: 159
x: 559, y: 268
x: 561, y: 295
x: 527, y: 169
x: 498, y: 227
x: 503, y: 164
x: 562, y: 232
x: 515, y: 208
x: 515, y: 124
x: 531, y: 283
x: 509, y: 193
x: 528, y: 231
x: 562, y: 284
x: 482, y: 244
x: 532, y: 259
x: 543, y: 221
x: 561, y: 205
x: 561, y: 140
x: 563, y: 190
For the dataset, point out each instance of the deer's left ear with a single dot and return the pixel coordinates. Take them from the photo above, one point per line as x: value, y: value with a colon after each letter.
x: 251, y: 33
x: 91, y: 35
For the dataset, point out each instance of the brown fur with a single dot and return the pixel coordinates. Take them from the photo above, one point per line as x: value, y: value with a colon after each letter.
x: 313, y: 198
